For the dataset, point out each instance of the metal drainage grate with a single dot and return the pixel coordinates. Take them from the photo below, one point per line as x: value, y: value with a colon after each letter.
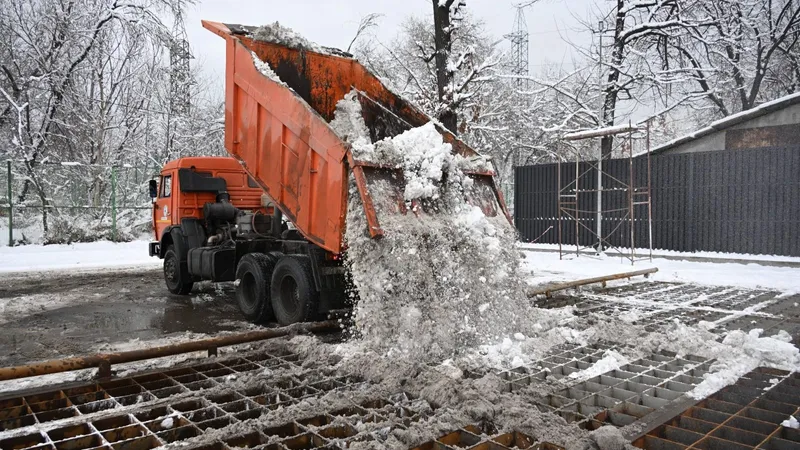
x: 190, y: 418
x: 618, y: 397
x: 654, y: 304
x: 473, y: 438
x: 161, y: 408
x: 746, y: 415
x: 90, y: 398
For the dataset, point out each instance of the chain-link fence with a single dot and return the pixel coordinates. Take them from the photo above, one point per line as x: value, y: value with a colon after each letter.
x: 70, y: 202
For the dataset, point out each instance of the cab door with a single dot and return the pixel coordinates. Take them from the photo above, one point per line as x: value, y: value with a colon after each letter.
x: 164, y: 205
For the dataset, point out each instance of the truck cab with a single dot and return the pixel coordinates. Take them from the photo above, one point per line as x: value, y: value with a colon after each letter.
x: 212, y: 221
x: 185, y: 185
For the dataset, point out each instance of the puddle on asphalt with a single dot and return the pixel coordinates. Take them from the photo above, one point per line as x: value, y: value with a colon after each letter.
x: 208, y: 311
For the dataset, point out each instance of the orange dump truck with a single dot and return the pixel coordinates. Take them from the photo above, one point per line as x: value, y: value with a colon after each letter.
x: 225, y: 219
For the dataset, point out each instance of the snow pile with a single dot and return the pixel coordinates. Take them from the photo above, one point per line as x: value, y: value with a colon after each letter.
x: 791, y: 422
x: 434, y: 285
x: 92, y: 255
x: 425, y: 159
x: 167, y: 423
x: 505, y: 355
x: 611, y: 360
x: 420, y: 150
x: 350, y: 127
x: 444, y: 278
x: 279, y: 34
x: 460, y: 399
x: 265, y: 69
x: 742, y: 352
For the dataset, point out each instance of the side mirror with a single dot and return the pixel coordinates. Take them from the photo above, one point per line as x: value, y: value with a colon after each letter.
x: 153, y: 189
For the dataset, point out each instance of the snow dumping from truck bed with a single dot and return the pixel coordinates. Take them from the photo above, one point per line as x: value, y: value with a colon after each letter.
x: 435, y: 285
x: 265, y: 69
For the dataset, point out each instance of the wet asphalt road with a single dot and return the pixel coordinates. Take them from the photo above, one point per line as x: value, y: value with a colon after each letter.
x: 52, y: 315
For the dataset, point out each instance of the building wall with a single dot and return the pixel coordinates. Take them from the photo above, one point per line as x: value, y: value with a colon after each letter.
x: 710, y: 143
x: 775, y: 129
x: 789, y: 115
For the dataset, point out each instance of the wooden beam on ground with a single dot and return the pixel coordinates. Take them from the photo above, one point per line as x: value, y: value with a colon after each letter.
x: 548, y: 290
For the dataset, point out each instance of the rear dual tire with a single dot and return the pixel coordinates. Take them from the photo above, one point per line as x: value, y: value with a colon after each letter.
x: 252, y: 292
x: 294, y: 297
x: 276, y: 287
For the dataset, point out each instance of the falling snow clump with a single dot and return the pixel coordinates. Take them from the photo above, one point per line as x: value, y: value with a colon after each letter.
x: 444, y: 277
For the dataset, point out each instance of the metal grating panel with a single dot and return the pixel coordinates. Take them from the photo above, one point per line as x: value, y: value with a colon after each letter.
x: 618, y: 397
x: 217, y: 405
x: 746, y: 415
x: 91, y: 398
x: 654, y: 304
x: 473, y: 438
x: 177, y: 405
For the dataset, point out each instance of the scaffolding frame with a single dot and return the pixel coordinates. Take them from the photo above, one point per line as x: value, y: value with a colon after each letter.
x: 569, y: 196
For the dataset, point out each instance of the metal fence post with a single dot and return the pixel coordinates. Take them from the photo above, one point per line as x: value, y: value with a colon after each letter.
x: 10, y: 209
x: 114, y: 203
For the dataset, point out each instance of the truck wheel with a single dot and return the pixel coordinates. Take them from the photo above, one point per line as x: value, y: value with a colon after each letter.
x: 294, y: 297
x: 252, y: 294
x: 178, y: 281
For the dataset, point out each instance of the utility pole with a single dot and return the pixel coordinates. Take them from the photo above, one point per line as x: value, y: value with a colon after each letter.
x: 599, y: 219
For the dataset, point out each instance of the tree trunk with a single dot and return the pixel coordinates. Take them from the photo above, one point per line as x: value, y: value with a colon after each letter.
x: 443, y: 43
x: 39, y: 190
x: 611, y: 89
x: 43, y: 199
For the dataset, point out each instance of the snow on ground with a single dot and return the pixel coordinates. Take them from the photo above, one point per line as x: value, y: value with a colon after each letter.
x: 641, y: 252
x: 546, y: 267
x: 31, y: 233
x: 741, y: 352
x: 92, y: 255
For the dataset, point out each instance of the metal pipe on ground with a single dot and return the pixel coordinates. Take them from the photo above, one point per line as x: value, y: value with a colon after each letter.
x: 104, y: 361
x: 548, y: 290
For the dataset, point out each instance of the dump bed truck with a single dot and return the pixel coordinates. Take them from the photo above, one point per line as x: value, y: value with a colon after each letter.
x: 272, y: 216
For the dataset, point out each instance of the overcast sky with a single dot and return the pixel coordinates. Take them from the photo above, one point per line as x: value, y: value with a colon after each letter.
x: 332, y: 23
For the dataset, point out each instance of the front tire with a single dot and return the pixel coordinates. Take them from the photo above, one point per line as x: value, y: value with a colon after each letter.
x: 176, y: 276
x: 294, y: 296
x: 254, y: 274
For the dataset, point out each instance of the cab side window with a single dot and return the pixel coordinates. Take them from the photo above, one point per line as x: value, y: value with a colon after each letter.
x: 166, y: 186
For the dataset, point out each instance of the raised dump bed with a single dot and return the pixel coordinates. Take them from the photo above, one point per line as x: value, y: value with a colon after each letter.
x: 279, y: 130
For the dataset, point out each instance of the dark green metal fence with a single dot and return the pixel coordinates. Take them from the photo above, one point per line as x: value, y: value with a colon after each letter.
x: 76, y: 201
x: 732, y: 201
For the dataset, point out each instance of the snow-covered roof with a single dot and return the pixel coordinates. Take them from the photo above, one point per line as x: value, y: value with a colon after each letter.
x: 732, y: 120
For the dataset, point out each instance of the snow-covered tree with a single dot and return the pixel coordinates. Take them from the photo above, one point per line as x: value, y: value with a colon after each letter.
x: 441, y: 65
x: 83, y: 87
x: 735, y: 54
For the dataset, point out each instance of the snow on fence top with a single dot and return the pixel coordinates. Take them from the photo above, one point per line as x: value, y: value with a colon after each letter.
x: 600, y: 132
